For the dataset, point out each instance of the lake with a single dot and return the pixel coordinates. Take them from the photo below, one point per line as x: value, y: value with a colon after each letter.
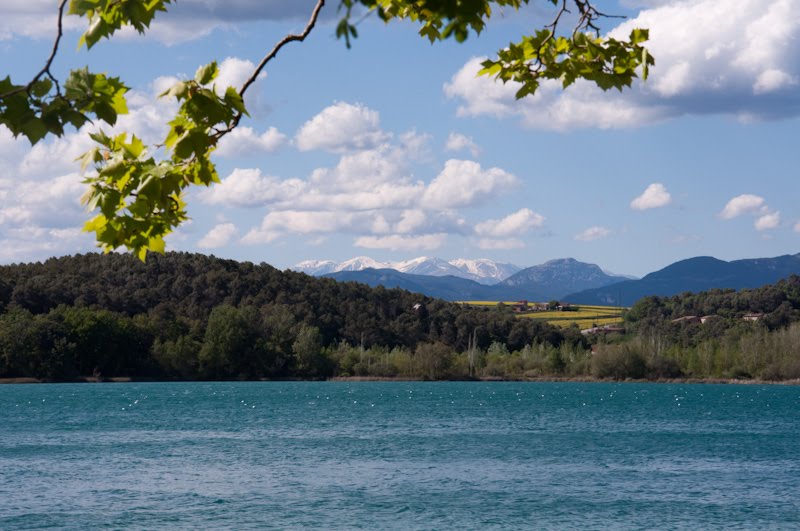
x: 399, y: 455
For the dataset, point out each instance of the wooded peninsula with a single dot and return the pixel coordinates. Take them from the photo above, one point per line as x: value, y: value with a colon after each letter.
x: 189, y: 316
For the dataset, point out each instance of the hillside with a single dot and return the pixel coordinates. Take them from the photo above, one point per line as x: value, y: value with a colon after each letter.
x: 194, y: 316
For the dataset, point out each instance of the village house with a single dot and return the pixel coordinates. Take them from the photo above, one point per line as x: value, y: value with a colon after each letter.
x: 520, y: 307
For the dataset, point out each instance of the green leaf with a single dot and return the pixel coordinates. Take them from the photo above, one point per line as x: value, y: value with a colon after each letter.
x: 206, y: 74
x: 41, y: 88
x: 34, y: 129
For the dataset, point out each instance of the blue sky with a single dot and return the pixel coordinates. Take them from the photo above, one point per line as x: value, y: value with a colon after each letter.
x: 394, y: 149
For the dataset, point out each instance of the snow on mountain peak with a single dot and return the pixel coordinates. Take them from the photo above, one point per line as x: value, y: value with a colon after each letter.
x: 481, y: 270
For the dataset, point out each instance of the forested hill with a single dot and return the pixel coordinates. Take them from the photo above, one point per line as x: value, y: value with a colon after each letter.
x: 190, y: 315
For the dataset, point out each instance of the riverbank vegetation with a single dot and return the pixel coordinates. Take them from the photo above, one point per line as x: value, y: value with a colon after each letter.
x: 189, y: 316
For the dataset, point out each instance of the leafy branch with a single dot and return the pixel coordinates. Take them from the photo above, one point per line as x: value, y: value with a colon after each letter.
x: 140, y: 199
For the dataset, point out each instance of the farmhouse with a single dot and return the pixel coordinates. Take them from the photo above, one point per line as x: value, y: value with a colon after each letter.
x: 520, y: 306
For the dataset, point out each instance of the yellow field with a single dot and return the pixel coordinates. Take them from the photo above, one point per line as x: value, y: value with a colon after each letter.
x: 586, y: 316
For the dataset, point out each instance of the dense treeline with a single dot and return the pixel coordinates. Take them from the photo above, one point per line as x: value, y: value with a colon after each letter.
x: 190, y: 316
x: 750, y: 333
x: 194, y: 316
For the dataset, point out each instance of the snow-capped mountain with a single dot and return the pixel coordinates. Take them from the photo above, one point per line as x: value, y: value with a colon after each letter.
x: 359, y: 263
x: 483, y: 270
x: 435, y: 267
x: 316, y: 267
x: 490, y: 271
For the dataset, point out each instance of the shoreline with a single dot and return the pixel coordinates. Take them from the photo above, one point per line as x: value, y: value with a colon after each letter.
x: 551, y: 379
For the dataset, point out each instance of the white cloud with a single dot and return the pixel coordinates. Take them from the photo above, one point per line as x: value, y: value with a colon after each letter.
x: 244, y: 141
x: 306, y: 222
x: 249, y: 188
x: 655, y: 196
x: 280, y: 223
x: 362, y: 170
x: 731, y: 58
x: 768, y: 221
x: 341, y: 127
x: 797, y: 227
x: 31, y: 243
x: 32, y: 18
x: 464, y: 183
x: 743, y: 204
x: 219, y: 236
x: 765, y: 218
x: 772, y: 80
x: 459, y: 142
x: 593, y: 233
x: 411, y: 221
x: 500, y: 245
x: 233, y: 72
x: 397, y: 242
x: 519, y: 222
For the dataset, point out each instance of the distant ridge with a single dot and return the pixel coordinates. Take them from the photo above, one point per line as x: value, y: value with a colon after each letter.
x: 556, y: 278
x: 693, y: 274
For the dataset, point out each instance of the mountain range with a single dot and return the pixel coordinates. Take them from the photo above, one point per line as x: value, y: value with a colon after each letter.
x: 551, y: 280
x: 483, y: 271
x: 694, y: 274
x: 564, y: 279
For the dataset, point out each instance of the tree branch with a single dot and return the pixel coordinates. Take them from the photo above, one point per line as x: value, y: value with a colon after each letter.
x: 49, y: 63
x: 299, y: 37
x: 283, y: 42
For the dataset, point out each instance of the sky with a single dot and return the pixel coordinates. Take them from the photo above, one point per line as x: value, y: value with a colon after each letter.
x: 396, y: 149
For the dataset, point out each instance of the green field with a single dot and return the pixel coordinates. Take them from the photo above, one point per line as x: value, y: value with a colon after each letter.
x: 585, y: 317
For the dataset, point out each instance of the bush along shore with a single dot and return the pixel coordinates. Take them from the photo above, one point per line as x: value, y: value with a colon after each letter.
x: 188, y: 316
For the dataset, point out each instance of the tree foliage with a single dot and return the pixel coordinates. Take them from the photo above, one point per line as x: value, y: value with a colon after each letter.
x: 137, y: 197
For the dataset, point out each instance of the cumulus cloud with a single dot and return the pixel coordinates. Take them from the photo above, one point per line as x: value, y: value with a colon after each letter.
x: 398, y: 242
x: 244, y: 141
x: 768, y: 221
x: 249, y: 188
x: 459, y: 142
x: 341, y: 127
x: 593, y: 233
x: 519, y: 222
x: 464, y: 183
x: 754, y: 205
x: 655, y: 196
x: 740, y: 59
x: 743, y: 204
x: 219, y: 236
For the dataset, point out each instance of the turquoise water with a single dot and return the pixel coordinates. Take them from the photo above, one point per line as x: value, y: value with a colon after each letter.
x: 399, y: 455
